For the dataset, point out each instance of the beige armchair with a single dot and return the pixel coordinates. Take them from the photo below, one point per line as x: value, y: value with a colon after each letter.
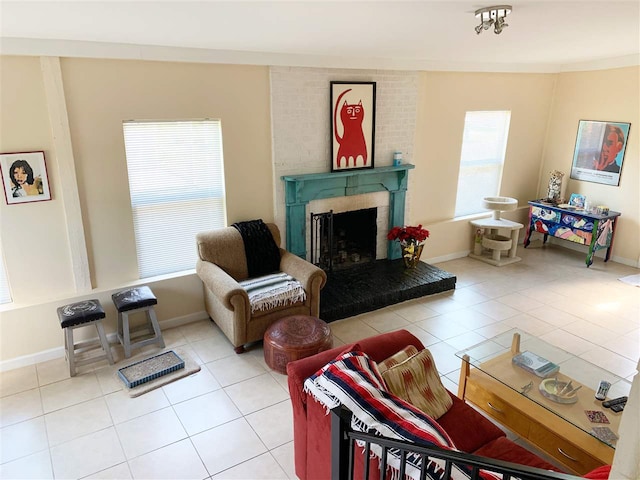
x: 222, y: 264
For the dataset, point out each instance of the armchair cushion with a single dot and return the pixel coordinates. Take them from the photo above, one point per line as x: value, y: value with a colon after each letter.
x: 273, y: 290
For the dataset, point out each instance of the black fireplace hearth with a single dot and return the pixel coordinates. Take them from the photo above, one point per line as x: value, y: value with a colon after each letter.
x: 375, y: 285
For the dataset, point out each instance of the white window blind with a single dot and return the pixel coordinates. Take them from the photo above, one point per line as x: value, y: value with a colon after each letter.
x: 176, y: 181
x: 484, y: 144
x: 5, y: 292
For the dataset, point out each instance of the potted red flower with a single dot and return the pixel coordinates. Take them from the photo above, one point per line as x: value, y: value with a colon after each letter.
x: 411, y: 240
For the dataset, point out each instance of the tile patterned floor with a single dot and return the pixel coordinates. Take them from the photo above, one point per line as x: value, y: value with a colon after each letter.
x: 232, y: 420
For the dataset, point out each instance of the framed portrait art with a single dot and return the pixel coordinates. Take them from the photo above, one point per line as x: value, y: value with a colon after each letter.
x: 24, y: 177
x: 353, y: 121
x: 599, y: 151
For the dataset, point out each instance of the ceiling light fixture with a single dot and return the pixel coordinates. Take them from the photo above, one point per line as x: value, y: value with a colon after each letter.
x: 493, y: 16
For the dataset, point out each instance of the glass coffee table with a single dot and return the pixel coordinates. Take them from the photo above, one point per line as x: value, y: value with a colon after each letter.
x: 552, y: 412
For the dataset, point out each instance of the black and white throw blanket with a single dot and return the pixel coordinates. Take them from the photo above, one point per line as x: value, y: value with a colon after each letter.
x: 261, y: 251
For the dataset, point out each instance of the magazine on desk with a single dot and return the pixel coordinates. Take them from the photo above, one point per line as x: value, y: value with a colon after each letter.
x: 535, y: 364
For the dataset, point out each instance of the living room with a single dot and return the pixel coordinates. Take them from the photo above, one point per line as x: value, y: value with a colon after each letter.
x: 71, y: 105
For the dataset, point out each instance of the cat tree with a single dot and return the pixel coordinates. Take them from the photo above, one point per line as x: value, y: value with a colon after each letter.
x: 488, y: 244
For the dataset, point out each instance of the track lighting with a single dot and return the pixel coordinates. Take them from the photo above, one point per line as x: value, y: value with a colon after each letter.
x: 493, y: 16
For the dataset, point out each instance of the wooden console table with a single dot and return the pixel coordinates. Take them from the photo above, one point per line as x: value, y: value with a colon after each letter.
x: 578, y: 226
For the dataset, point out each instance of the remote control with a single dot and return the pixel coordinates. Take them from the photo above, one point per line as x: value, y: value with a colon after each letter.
x: 618, y: 408
x: 614, y: 401
x: 603, y: 388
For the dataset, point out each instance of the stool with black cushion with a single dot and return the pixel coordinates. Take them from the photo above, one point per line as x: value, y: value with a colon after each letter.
x: 83, y: 314
x: 131, y: 301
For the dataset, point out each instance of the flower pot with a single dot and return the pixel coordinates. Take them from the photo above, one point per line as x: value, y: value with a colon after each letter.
x: 411, y: 254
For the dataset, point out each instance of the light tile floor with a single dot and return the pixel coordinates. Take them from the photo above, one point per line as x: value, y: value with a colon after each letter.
x: 233, y: 419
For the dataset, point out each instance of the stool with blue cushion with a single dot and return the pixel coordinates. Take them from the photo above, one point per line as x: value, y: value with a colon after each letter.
x: 131, y: 301
x: 83, y: 314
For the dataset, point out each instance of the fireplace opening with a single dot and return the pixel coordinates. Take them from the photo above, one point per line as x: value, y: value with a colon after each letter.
x: 343, y: 240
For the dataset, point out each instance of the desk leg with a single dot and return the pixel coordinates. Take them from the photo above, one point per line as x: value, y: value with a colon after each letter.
x: 589, y: 259
x: 527, y: 233
x: 592, y: 247
x: 613, y: 234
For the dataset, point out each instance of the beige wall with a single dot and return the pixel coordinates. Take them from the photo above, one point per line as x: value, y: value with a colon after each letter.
x: 100, y: 94
x: 34, y: 237
x: 444, y: 99
x: 608, y: 95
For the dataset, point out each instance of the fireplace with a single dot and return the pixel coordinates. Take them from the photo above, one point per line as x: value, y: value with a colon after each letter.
x: 343, y: 240
x: 300, y: 190
x: 368, y: 285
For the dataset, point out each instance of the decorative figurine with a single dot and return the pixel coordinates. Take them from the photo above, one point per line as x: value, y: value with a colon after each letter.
x: 555, y: 187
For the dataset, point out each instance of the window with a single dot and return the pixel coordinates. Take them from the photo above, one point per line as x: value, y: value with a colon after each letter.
x: 5, y: 292
x: 176, y: 182
x: 484, y: 143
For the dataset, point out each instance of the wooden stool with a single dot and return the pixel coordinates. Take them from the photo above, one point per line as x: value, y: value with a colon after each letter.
x: 82, y: 314
x: 295, y: 337
x: 135, y: 300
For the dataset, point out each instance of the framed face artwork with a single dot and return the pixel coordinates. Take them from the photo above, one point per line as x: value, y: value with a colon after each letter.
x: 353, y: 115
x: 24, y: 177
x: 599, y: 151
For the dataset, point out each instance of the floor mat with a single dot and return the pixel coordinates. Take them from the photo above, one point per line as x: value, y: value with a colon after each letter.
x: 631, y: 280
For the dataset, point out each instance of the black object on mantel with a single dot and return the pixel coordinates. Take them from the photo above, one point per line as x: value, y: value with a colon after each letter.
x: 375, y: 285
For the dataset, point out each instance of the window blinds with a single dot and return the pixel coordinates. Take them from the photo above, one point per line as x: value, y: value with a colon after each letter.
x: 176, y: 183
x: 484, y: 144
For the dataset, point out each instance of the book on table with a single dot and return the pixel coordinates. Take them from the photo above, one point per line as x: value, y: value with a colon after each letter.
x: 535, y: 364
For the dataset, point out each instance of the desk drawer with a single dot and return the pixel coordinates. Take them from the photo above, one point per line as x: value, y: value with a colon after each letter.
x: 563, y: 450
x: 497, y: 408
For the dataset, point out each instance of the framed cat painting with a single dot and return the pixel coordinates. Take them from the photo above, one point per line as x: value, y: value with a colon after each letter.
x: 353, y: 121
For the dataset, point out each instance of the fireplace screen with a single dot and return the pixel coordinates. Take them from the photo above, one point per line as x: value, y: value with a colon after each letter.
x: 343, y: 240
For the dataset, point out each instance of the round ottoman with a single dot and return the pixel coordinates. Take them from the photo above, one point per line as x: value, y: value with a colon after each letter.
x: 295, y: 337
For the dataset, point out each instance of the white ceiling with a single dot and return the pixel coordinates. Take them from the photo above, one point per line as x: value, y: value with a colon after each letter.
x: 543, y: 35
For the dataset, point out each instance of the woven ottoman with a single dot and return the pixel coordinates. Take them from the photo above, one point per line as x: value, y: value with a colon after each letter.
x: 295, y: 337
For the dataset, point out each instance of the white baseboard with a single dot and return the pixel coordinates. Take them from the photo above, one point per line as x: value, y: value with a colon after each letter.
x: 446, y: 258
x: 600, y: 254
x: 58, y: 352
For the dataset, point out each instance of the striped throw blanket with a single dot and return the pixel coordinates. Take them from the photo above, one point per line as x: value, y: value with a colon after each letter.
x: 353, y: 380
x: 273, y: 290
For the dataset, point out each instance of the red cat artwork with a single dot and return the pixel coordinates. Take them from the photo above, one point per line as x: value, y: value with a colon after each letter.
x: 352, y: 143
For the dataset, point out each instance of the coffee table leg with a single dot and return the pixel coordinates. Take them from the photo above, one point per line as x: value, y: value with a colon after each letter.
x: 465, y: 370
x: 515, y: 344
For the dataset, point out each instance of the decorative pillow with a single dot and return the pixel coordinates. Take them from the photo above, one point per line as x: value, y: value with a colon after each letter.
x: 416, y: 380
x: 397, y: 358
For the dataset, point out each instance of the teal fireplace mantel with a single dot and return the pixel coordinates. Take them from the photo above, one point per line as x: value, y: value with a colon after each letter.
x: 301, y: 189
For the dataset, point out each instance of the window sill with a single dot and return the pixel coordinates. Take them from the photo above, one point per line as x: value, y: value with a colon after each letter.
x: 72, y: 297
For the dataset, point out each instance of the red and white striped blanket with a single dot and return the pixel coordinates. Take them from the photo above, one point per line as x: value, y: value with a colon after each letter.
x: 353, y: 380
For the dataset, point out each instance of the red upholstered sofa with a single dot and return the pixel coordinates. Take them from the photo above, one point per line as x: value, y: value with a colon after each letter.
x: 470, y: 431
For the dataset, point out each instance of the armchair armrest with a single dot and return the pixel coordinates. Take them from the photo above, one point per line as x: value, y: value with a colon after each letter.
x: 305, y: 272
x: 221, y: 284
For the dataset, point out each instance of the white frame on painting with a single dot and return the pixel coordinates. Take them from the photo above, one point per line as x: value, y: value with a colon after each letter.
x: 599, y: 151
x: 33, y: 188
